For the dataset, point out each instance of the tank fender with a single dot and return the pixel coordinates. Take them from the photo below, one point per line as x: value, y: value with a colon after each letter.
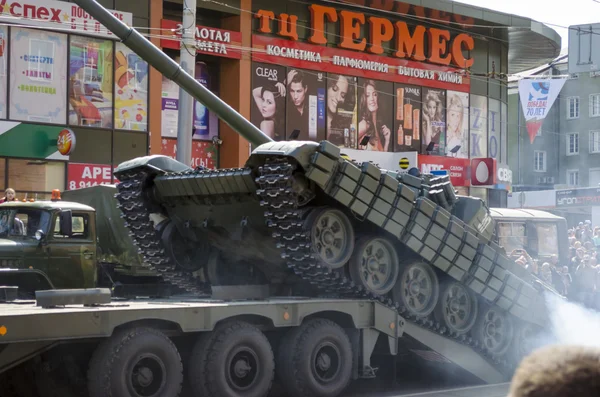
x: 156, y: 162
x: 301, y: 151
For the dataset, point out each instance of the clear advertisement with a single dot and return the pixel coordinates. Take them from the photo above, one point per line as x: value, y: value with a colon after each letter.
x: 494, y: 129
x: 341, y: 110
x: 131, y: 90
x: 375, y: 125
x: 201, y: 113
x: 457, y: 124
x: 407, y: 118
x: 433, y: 124
x: 38, y: 92
x: 3, y: 69
x: 169, y: 108
x: 268, y: 99
x: 305, y: 109
x: 82, y: 175
x: 204, y: 154
x: 478, y: 126
x: 91, y: 82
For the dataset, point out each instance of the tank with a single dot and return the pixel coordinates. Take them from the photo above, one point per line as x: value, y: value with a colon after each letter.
x: 303, y: 219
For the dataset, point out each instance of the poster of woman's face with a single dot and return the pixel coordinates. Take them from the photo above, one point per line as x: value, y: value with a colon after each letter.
x: 457, y: 124
x: 305, y: 110
x: 341, y: 110
x: 407, y: 125
x: 268, y: 99
x: 375, y: 122
x: 433, y: 123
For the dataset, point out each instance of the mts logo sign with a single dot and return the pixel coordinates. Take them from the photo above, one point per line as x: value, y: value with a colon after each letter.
x: 427, y: 168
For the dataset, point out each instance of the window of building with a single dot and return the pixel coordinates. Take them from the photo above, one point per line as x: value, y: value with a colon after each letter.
x: 573, y: 107
x: 35, y: 178
x: 38, y: 91
x: 573, y: 177
x: 594, y: 141
x: 91, y: 82
x: 539, y: 161
x: 594, y: 105
x: 572, y: 143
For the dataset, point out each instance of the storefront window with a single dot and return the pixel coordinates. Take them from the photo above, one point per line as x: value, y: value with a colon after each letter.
x: 478, y: 126
x: 39, y: 71
x: 93, y: 146
x: 3, y: 69
x: 91, y: 82
x: 131, y: 90
x: 129, y: 145
x: 31, y: 176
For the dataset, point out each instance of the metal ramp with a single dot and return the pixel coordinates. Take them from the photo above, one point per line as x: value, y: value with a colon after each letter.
x: 498, y: 390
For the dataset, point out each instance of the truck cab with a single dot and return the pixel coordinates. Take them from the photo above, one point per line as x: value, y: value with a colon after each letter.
x: 56, y: 237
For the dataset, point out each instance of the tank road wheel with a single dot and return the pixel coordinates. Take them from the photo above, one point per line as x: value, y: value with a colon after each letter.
x: 234, y: 360
x: 418, y: 289
x: 332, y: 236
x: 495, y: 330
x: 457, y: 308
x: 315, y: 360
x: 375, y: 264
x: 524, y: 341
x: 137, y: 362
x: 188, y: 255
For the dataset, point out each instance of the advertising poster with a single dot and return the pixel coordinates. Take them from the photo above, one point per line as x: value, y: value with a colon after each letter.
x: 204, y: 154
x: 407, y: 116
x: 537, y: 97
x: 457, y: 124
x: 201, y: 114
x: 494, y: 129
x: 82, y: 175
x: 38, y: 93
x: 3, y: 69
x: 91, y: 82
x: 478, y: 126
x: 305, y: 109
x: 169, y: 108
x: 267, y: 110
x: 341, y: 110
x: 433, y: 123
x: 375, y: 121
x: 131, y: 90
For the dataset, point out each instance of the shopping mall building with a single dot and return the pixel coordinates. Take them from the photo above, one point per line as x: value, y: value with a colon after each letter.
x: 399, y: 84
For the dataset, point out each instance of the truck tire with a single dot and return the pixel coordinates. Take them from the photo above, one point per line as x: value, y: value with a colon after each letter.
x: 136, y: 362
x: 234, y: 360
x: 315, y: 360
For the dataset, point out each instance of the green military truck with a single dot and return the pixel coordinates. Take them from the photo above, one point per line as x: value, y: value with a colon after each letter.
x: 78, y: 241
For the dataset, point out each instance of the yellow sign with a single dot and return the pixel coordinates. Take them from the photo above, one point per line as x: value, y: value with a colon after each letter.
x: 66, y: 142
x: 404, y: 163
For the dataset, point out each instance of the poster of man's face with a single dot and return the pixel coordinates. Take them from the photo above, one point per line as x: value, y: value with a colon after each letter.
x: 305, y: 110
x: 341, y: 110
x: 433, y: 121
x: 407, y: 125
x: 268, y: 99
x: 375, y: 122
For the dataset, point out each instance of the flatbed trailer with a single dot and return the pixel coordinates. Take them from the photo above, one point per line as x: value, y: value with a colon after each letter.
x: 83, y: 342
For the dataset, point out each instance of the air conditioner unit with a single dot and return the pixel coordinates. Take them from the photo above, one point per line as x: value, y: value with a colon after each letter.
x: 550, y: 179
x: 540, y: 179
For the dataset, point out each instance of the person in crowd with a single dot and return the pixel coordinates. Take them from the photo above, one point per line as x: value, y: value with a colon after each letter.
x: 558, y: 371
x: 9, y: 195
x: 545, y: 273
x: 558, y: 281
x: 585, y: 281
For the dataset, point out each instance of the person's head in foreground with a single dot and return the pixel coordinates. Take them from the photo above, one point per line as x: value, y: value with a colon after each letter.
x: 558, y: 371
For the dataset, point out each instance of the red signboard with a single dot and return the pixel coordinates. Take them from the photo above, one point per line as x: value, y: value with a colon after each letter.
x: 458, y: 168
x: 82, y: 175
x: 204, y: 154
x: 321, y: 58
x: 211, y: 41
x: 487, y: 171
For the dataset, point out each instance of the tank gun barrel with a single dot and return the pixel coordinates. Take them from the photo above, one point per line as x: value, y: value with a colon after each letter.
x: 169, y: 68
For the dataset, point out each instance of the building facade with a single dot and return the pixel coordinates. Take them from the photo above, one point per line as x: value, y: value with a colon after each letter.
x: 410, y: 85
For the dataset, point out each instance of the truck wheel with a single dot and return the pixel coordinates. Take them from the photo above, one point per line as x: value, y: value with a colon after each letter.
x: 234, y: 360
x: 137, y: 362
x: 315, y: 360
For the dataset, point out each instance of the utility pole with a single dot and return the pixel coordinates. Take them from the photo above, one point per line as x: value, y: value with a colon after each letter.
x: 185, y: 115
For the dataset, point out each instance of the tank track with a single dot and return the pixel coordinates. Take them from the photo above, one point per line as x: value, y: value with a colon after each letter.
x: 286, y: 219
x: 137, y: 220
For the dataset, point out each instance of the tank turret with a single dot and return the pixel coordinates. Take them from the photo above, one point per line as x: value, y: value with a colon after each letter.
x: 305, y: 220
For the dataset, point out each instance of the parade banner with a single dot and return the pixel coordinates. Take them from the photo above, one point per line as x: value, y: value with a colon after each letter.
x: 537, y: 97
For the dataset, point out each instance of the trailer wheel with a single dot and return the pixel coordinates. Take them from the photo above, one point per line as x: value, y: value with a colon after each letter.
x: 234, y: 360
x: 315, y: 360
x: 137, y: 362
